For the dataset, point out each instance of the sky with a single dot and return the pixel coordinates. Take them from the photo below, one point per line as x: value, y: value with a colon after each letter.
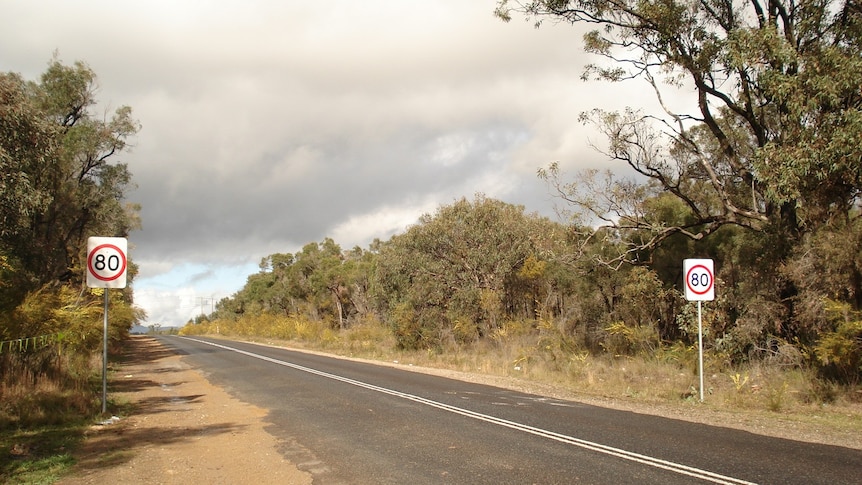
x: 270, y: 124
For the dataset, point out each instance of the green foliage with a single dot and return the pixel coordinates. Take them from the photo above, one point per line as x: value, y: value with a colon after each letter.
x: 59, y: 185
x: 454, y: 269
x: 321, y: 282
x: 27, y: 141
x: 839, y: 352
x: 778, y: 111
x: 49, y: 383
x: 77, y: 314
x: 39, y: 455
x: 406, y: 325
x: 761, y: 174
x: 814, y: 160
x: 826, y: 266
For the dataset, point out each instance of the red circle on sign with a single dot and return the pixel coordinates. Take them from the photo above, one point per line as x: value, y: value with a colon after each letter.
x: 688, y: 279
x: 93, y: 271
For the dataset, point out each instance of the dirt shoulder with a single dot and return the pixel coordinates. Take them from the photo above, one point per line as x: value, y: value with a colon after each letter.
x: 180, y: 430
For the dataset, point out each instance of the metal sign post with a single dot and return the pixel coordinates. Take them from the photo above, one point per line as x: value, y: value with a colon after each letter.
x: 699, y: 287
x: 699, y: 349
x: 106, y: 268
x: 105, y: 357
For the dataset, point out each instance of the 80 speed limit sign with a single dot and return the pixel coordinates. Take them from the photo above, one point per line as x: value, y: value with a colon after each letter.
x: 699, y: 279
x: 106, y: 262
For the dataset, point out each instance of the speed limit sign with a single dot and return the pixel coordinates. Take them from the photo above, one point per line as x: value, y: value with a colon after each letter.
x: 699, y: 279
x: 106, y: 262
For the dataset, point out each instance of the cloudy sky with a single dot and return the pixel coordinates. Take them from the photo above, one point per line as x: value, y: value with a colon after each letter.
x: 269, y: 124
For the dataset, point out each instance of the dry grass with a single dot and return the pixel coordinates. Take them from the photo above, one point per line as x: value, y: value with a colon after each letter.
x: 48, y: 389
x: 46, y: 398
x: 669, y: 375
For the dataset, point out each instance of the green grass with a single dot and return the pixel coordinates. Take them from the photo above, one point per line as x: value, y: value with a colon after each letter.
x: 40, y: 455
x: 43, y: 420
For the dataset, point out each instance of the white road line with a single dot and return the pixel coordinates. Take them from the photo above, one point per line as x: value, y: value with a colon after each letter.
x: 589, y: 445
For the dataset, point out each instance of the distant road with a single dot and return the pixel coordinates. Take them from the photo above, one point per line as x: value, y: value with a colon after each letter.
x: 349, y: 422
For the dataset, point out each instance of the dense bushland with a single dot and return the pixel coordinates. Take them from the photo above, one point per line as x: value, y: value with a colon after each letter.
x: 519, y: 290
x: 761, y: 173
x: 59, y: 187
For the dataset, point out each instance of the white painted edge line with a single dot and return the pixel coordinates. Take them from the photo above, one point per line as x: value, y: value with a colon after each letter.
x: 589, y: 445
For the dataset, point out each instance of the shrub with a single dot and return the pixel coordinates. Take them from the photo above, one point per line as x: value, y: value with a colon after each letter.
x: 623, y: 339
x: 839, y: 353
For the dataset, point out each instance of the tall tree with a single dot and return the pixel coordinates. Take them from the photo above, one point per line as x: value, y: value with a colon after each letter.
x: 60, y: 182
x: 449, y: 271
x: 319, y: 282
x: 771, y: 143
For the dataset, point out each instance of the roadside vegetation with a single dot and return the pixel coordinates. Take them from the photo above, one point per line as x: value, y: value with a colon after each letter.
x: 616, y: 333
x: 762, y: 174
x: 60, y: 185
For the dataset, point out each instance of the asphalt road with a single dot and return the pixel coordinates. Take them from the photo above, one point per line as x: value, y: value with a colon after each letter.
x: 350, y: 422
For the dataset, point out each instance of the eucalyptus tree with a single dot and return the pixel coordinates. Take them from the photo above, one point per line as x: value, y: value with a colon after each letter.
x: 770, y: 142
x: 447, y: 274
x: 61, y: 181
x: 767, y: 153
x: 320, y: 282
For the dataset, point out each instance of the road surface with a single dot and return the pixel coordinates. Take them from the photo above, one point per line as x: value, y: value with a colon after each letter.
x: 351, y: 422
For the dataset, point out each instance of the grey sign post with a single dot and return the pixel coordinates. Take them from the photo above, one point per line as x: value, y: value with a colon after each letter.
x: 699, y: 287
x: 106, y: 268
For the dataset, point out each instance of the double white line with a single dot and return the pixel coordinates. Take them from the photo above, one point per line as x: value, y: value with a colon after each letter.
x: 589, y: 445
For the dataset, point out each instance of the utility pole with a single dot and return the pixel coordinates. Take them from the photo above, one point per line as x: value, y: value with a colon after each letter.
x: 210, y: 300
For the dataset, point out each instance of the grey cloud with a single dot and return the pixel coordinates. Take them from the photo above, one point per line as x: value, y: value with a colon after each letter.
x: 264, y: 200
x: 271, y: 124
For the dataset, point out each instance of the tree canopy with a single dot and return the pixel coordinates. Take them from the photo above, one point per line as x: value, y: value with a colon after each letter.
x: 762, y: 171
x: 772, y: 140
x: 60, y: 183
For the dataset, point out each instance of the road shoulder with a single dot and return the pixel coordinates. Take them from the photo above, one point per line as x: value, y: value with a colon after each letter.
x: 181, y: 429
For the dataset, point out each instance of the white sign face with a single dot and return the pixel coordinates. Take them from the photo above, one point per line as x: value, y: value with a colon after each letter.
x: 699, y: 279
x: 106, y: 262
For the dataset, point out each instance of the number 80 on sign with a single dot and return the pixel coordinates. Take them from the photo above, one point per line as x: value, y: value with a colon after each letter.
x: 699, y: 279
x: 106, y: 262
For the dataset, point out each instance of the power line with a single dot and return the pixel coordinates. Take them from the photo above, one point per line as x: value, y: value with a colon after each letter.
x: 211, y: 300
